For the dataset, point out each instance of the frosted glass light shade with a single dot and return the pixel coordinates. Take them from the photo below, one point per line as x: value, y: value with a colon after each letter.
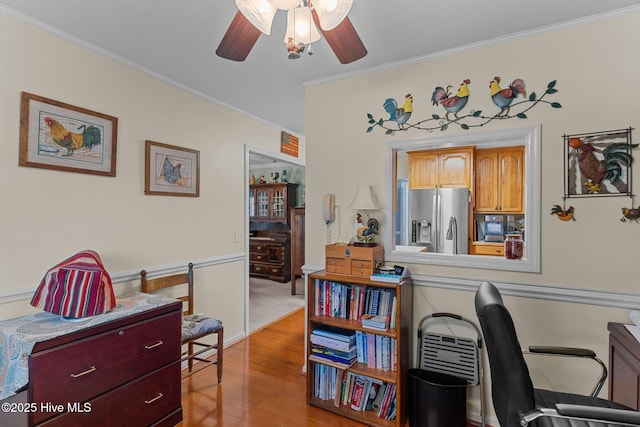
x: 259, y: 12
x: 365, y: 199
x: 285, y: 4
x: 300, y: 26
x: 331, y: 12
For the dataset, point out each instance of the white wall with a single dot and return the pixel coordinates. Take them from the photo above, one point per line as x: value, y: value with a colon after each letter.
x: 49, y: 215
x: 596, y: 65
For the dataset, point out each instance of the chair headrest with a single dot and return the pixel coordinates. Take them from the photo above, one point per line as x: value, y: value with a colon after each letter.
x: 487, y: 295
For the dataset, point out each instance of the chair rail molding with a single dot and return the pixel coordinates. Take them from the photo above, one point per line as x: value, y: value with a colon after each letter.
x: 18, y: 294
x: 599, y: 297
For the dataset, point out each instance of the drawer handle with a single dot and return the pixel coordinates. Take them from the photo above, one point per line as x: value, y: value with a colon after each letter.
x: 159, y: 396
x: 81, y: 374
x: 158, y: 344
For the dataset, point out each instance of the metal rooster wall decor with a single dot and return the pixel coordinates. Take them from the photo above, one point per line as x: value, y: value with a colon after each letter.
x: 598, y: 163
x: 507, y: 100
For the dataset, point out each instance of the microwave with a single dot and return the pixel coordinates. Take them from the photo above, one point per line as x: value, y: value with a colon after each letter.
x: 493, y: 228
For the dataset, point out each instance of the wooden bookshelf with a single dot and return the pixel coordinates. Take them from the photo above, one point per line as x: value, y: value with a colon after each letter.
x: 394, y: 375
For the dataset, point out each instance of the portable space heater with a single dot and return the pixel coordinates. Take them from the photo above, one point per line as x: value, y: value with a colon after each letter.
x: 450, y: 354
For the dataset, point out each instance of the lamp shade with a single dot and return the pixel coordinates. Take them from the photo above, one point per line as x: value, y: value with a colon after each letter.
x: 76, y: 287
x: 300, y: 26
x: 365, y: 199
x: 259, y: 12
x: 285, y: 4
x: 331, y: 12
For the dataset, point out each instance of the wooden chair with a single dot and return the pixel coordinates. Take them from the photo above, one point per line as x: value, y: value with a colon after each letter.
x: 194, y: 326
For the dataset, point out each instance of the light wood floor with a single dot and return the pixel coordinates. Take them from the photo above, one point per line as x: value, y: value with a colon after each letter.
x: 262, y: 384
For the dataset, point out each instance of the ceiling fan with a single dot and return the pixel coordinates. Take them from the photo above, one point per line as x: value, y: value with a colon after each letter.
x: 304, y: 19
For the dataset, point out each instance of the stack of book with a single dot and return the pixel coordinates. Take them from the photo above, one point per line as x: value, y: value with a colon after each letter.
x: 378, y: 322
x: 334, y: 346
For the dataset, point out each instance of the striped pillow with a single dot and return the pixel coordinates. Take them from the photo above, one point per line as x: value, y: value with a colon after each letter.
x: 77, y: 287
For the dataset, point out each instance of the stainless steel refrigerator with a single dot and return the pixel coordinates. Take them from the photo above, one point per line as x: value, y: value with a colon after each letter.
x: 439, y: 219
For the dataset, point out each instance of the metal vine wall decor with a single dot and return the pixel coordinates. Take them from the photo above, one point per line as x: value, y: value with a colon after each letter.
x: 510, y: 106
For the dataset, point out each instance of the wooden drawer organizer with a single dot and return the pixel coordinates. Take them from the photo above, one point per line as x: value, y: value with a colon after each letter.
x: 353, y: 260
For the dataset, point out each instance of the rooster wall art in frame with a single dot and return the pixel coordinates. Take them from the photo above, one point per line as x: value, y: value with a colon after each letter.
x: 171, y: 170
x: 598, y: 163
x: 55, y: 135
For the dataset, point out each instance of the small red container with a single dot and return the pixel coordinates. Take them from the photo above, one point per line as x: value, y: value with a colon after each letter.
x: 513, y: 246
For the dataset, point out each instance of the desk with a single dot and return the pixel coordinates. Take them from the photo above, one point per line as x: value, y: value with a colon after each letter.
x: 624, y: 366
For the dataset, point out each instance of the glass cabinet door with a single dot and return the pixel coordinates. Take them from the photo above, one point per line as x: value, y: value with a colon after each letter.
x: 278, y: 204
x: 252, y: 203
x: 262, y: 197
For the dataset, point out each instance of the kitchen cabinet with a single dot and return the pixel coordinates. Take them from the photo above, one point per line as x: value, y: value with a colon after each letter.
x: 499, y: 180
x: 441, y: 168
x: 271, y: 202
x: 487, y: 248
x: 270, y: 258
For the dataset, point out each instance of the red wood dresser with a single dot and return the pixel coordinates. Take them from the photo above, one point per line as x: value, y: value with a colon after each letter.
x: 124, y: 371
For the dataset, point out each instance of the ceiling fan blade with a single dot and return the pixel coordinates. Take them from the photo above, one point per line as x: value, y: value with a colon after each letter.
x: 343, y: 40
x: 239, y: 39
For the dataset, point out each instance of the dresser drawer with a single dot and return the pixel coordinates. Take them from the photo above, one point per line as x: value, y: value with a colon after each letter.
x: 259, y: 257
x: 89, y: 367
x: 258, y: 248
x: 141, y: 402
x: 272, y: 270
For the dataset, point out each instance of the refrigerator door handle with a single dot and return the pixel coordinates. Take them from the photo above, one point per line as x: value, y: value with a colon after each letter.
x: 437, y: 221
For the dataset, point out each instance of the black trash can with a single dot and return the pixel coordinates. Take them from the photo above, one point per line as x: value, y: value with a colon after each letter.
x: 436, y: 399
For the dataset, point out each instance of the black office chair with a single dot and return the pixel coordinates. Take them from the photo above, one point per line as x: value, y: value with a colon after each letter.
x: 516, y: 402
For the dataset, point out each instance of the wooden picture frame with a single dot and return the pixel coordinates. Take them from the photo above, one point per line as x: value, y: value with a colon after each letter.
x: 170, y: 170
x: 59, y: 136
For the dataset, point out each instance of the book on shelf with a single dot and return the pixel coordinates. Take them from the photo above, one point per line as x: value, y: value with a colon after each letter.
x: 326, y: 360
x: 378, y: 322
x: 331, y: 343
x: 400, y: 273
x: 334, y: 338
x: 335, y: 333
x: 357, y: 396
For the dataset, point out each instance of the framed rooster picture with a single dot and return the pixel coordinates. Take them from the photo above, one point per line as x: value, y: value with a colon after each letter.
x: 55, y: 135
x: 598, y: 163
x: 171, y: 170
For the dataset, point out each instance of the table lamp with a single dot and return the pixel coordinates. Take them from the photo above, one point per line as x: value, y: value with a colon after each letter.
x: 363, y: 201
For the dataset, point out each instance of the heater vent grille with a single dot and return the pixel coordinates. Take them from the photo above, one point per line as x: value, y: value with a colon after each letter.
x: 454, y: 356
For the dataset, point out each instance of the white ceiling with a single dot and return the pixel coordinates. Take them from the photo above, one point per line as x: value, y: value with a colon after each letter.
x: 176, y: 41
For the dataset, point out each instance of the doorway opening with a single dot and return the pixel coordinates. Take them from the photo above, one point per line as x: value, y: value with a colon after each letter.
x: 275, y: 185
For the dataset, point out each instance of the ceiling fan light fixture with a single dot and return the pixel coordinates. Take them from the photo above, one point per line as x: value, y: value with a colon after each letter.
x: 331, y: 12
x: 285, y: 4
x: 259, y: 12
x: 300, y: 26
